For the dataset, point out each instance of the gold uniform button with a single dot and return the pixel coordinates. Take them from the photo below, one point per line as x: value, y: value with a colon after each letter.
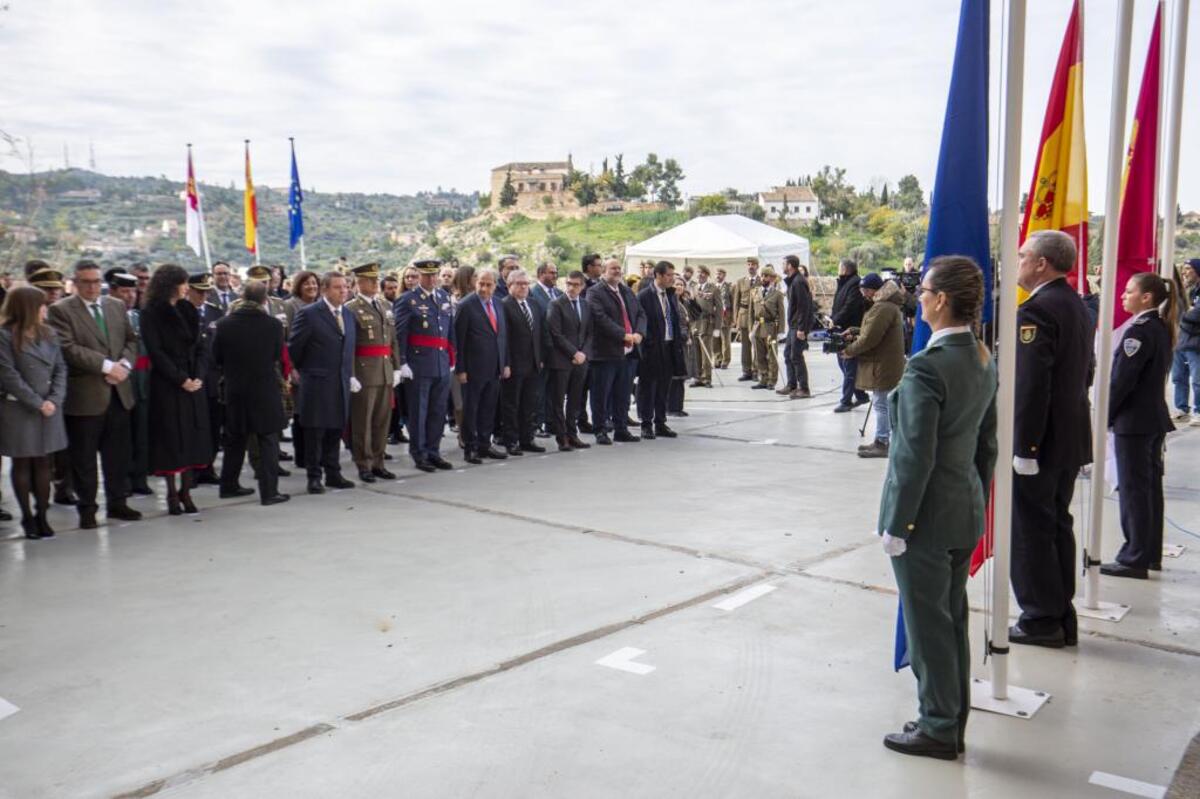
x: 911, y: 526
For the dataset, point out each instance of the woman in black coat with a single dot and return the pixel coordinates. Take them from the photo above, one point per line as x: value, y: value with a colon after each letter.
x: 179, y: 437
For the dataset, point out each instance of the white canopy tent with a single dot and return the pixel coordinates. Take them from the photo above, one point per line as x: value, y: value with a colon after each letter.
x: 719, y: 241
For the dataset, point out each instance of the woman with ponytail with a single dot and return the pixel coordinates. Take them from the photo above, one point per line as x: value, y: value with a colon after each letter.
x: 1139, y: 419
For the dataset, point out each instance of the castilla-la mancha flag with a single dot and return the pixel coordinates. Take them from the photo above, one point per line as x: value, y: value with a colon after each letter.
x: 191, y: 210
x: 250, y: 208
x: 1136, y: 251
x: 1058, y: 197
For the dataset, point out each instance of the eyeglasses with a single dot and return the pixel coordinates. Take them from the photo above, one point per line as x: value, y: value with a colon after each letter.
x: 925, y: 289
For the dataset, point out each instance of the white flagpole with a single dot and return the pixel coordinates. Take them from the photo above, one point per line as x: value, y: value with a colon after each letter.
x: 200, y: 213
x: 303, y: 262
x: 1162, y: 128
x: 1171, y: 151
x: 1108, y: 296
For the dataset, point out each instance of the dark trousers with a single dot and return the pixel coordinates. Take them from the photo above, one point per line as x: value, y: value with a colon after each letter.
x: 268, y: 461
x: 566, y: 386
x: 604, y: 376
x: 654, y: 385
x: 1140, y: 481
x: 139, y: 463
x: 623, y: 394
x: 216, y: 421
x: 933, y: 590
x: 298, y: 442
x: 479, y: 412
x: 107, y: 434
x: 518, y: 405
x: 425, y: 398
x: 321, y: 448
x: 1043, y: 550
x: 793, y: 359
x: 849, y: 367
x: 545, y: 389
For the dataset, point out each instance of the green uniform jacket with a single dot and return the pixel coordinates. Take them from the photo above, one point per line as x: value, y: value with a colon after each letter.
x: 708, y: 298
x: 740, y: 300
x: 376, y: 331
x: 766, y: 313
x: 943, y: 447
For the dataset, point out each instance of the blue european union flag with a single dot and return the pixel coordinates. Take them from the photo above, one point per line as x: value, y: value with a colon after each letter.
x: 958, y: 209
x: 295, y: 200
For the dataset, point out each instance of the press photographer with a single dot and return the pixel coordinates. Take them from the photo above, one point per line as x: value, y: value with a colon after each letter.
x: 878, y: 347
x: 847, y: 313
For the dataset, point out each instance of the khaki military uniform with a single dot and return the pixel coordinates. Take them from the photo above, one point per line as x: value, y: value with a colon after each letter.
x: 743, y: 320
x: 705, y: 325
x: 375, y: 362
x: 766, y: 311
x: 724, y: 350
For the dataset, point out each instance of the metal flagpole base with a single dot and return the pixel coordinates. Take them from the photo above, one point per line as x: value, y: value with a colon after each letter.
x: 1021, y: 703
x: 1108, y: 611
x: 1173, y: 550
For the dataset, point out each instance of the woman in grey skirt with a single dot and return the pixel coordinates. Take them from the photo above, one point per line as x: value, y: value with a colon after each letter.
x: 33, y: 379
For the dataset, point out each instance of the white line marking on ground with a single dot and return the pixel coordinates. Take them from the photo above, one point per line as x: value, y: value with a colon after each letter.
x: 1126, y: 785
x: 735, y: 410
x: 622, y: 660
x: 770, y: 441
x: 7, y: 708
x: 744, y: 596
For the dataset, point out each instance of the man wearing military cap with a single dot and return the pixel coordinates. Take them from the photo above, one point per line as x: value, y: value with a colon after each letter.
x: 375, y: 364
x: 706, y: 325
x: 200, y: 288
x: 743, y: 320
x: 50, y: 282
x: 425, y: 347
x: 767, y: 318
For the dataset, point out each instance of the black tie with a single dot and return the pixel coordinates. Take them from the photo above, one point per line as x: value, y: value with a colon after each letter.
x: 577, y: 313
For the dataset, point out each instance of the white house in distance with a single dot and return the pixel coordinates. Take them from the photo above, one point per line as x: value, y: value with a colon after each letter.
x: 790, y: 203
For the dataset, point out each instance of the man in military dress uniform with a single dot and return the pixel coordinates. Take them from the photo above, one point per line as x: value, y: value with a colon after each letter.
x: 425, y: 343
x: 1052, y: 439
x: 375, y: 364
x: 743, y: 320
x: 766, y: 313
x: 706, y: 324
x: 721, y: 354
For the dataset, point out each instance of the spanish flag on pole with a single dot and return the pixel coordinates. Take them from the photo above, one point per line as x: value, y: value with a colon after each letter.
x: 1058, y: 197
x: 250, y: 209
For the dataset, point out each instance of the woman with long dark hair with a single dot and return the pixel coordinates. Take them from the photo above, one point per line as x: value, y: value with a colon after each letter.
x: 33, y: 378
x: 1140, y: 420
x: 179, y: 437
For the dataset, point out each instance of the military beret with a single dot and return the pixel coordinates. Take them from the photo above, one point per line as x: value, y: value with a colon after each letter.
x: 200, y: 281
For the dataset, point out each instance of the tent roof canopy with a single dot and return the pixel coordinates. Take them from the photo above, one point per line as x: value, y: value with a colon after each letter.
x: 721, y: 237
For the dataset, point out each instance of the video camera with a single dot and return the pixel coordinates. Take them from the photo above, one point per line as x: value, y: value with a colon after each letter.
x: 909, y: 281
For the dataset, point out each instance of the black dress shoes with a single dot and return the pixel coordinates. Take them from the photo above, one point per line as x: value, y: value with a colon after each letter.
x: 208, y: 477
x: 563, y: 444
x: 760, y: 386
x: 917, y: 743
x: 441, y: 463
x: 30, y: 527
x: 282, y: 472
x: 576, y: 443
x: 43, y: 524
x: 493, y: 453
x: 366, y: 477
x: 663, y: 431
x: 586, y: 427
x: 143, y: 490
x: 842, y: 407
x: 337, y: 481
x: 625, y: 437
x: 235, y: 491
x: 532, y: 447
x: 314, y: 486
x: 60, y: 498
x: 1054, y: 640
x: 123, y: 512
x: 912, y: 726
x: 1117, y: 569
x: 277, y: 499
x: 87, y: 520
x: 425, y: 466
x: 648, y: 432
x: 285, y: 456
x: 744, y: 378
x: 603, y: 440
x: 382, y: 474
x: 471, y: 456
x: 514, y: 450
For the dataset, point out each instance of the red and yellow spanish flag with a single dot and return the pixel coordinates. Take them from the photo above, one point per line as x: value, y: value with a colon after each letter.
x: 1058, y: 197
x: 1136, y: 251
x: 250, y: 208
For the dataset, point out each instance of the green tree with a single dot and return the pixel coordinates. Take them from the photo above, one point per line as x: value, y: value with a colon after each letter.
x: 755, y: 212
x: 508, y: 193
x: 783, y: 209
x: 668, y: 190
x: 909, y: 196
x: 649, y: 174
x: 836, y: 196
x: 583, y: 187
x: 883, y: 195
x: 710, y: 205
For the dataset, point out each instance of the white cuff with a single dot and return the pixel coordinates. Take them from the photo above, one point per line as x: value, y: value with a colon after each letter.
x: 894, y: 546
x: 107, y: 366
x: 1026, y: 467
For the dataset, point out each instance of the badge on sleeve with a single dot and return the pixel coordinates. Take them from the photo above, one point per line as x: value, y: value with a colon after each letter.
x: 1131, y: 345
x: 1028, y: 333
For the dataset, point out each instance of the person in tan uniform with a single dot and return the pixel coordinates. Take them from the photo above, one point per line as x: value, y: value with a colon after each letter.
x: 766, y: 311
x: 376, y: 362
x: 742, y: 318
x: 706, y: 323
x: 723, y: 351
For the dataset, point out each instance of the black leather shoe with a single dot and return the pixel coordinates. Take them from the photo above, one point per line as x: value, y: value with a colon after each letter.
x: 603, y: 440
x: 744, y: 378
x: 662, y: 431
x: 236, y: 491
x: 1018, y: 635
x: 383, y: 474
x: 532, y: 447
x: 87, y: 520
x: 863, y: 400
x: 5, y: 516
x: 387, y: 456
x: 493, y: 453
x: 282, y: 472
x: 208, y: 478
x: 586, y: 427
x: 1154, y: 567
x: 564, y: 445
x: 842, y: 407
x: 60, y: 498
x: 918, y: 743
x: 278, y: 499
x: 441, y: 463
x: 401, y: 438
x: 285, y: 456
x: 143, y: 490
x: 514, y: 450
x: 471, y: 456
x: 314, y: 486
x: 31, y: 529
x: 625, y: 437
x: 648, y: 432
x: 1116, y: 569
x: 912, y: 726
x: 123, y: 512
x: 43, y: 524
x: 337, y: 481
x: 576, y: 443
x: 425, y: 466
x: 366, y: 477
x: 760, y: 387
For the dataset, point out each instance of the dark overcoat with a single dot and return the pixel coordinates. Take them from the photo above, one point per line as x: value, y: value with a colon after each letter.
x: 323, y: 356
x: 247, y: 347
x: 179, y: 432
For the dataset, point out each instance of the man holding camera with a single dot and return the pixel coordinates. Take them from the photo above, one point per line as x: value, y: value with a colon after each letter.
x: 847, y: 313
x: 878, y: 347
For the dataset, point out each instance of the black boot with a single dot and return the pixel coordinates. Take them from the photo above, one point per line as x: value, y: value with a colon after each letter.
x: 30, y: 526
x: 43, y: 524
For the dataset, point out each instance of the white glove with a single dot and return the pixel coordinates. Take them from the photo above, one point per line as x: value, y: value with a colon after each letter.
x: 355, y: 386
x: 1026, y: 467
x: 405, y: 373
x: 395, y: 378
x: 894, y: 546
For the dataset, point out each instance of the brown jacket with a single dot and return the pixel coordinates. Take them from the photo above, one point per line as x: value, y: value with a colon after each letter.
x: 879, y: 347
x: 85, y: 351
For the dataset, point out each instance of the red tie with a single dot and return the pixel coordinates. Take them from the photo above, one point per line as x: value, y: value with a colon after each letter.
x: 624, y: 311
x: 487, y: 306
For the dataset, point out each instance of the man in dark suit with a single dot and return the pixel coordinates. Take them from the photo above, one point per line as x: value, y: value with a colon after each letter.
x: 222, y: 293
x: 662, y: 350
x: 520, y: 394
x: 544, y: 291
x: 321, y: 346
x: 100, y: 347
x: 618, y: 326
x: 481, y: 363
x: 1052, y: 439
x: 200, y: 288
x: 801, y: 313
x: 246, y: 345
x: 569, y: 330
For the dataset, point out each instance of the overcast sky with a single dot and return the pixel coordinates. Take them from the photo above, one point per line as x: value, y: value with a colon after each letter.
x: 386, y: 98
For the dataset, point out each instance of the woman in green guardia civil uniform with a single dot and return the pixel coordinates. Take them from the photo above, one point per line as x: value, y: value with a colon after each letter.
x: 931, y: 513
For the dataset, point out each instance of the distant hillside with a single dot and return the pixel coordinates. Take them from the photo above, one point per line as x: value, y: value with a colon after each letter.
x: 68, y: 214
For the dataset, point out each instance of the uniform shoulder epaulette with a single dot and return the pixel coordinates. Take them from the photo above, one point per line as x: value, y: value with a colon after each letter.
x: 1141, y: 320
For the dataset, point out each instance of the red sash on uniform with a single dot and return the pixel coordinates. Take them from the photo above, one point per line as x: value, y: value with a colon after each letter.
x: 372, y: 351
x: 433, y: 342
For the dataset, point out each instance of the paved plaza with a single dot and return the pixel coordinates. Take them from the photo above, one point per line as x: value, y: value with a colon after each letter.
x: 709, y: 616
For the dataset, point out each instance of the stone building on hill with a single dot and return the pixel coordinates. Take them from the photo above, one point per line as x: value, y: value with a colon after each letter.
x: 540, y: 185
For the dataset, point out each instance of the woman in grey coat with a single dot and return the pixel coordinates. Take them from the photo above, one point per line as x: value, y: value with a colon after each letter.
x: 33, y: 379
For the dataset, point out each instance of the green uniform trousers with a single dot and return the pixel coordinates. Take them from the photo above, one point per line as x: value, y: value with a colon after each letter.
x: 933, y: 588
